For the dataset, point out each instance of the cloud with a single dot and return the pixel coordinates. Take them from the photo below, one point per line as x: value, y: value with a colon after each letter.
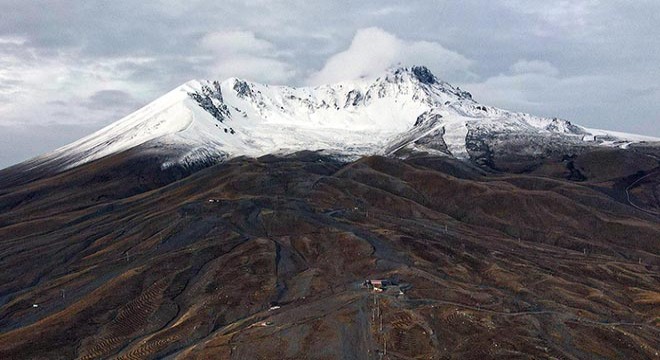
x: 115, y: 99
x: 568, y: 16
x: 24, y: 76
x: 18, y: 143
x: 527, y: 86
x: 11, y: 40
x: 391, y: 10
x: 230, y: 43
x: 534, y: 67
x: 373, y: 50
x: 243, y: 54
x: 601, y: 101
x: 43, y: 88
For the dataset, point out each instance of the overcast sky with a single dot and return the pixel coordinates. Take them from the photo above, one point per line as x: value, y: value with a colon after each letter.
x: 68, y: 68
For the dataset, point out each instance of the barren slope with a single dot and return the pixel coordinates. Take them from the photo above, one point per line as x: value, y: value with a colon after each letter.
x: 137, y: 263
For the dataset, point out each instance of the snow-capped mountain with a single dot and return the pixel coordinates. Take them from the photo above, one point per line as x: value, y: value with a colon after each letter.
x: 405, y: 109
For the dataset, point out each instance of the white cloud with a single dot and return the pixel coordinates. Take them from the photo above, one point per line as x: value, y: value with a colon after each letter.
x: 13, y: 40
x: 45, y: 89
x: 620, y: 100
x: 243, y: 54
x: 391, y: 10
x: 531, y: 86
x: 534, y: 67
x: 571, y: 16
x: 229, y: 43
x: 373, y: 50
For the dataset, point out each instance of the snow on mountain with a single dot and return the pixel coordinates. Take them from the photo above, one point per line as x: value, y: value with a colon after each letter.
x: 405, y: 108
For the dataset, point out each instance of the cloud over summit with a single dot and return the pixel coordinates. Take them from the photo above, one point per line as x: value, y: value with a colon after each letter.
x: 373, y: 50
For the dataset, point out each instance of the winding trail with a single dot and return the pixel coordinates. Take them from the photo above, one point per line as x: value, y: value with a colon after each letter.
x: 569, y: 317
x: 654, y: 172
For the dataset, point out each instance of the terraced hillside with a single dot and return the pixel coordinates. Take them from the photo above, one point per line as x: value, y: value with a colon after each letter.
x: 264, y: 258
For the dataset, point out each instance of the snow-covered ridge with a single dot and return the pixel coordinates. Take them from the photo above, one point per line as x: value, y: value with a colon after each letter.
x: 405, y: 108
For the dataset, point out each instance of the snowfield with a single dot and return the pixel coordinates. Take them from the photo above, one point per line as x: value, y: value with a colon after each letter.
x: 405, y: 108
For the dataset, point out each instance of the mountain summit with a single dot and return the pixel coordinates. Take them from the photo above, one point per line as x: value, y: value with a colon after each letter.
x: 483, y: 234
x: 404, y: 110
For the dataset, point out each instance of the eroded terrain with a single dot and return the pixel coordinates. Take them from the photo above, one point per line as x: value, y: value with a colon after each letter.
x: 265, y: 259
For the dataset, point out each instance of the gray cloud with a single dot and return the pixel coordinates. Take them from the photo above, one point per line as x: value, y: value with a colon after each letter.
x: 105, y: 99
x: 243, y: 54
x: 591, y: 61
x: 20, y: 143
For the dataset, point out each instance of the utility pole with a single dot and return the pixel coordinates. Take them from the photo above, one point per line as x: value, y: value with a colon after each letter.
x: 378, y: 306
x: 381, y: 324
x: 373, y: 310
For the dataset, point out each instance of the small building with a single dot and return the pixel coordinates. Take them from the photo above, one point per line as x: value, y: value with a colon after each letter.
x: 389, y: 286
x: 378, y: 284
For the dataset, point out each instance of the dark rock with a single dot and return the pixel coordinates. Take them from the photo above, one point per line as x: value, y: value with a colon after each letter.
x: 205, y: 100
x: 242, y: 88
x: 353, y: 98
x: 424, y: 75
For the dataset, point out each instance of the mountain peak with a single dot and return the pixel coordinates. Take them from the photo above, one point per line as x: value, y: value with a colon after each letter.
x: 424, y: 75
x: 418, y: 73
x: 406, y: 109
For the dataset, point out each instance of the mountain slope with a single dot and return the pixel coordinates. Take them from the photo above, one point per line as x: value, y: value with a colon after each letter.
x: 403, y: 110
x: 494, y: 265
x: 165, y: 236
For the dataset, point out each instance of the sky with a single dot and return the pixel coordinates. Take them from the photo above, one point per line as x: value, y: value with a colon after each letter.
x: 68, y: 68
